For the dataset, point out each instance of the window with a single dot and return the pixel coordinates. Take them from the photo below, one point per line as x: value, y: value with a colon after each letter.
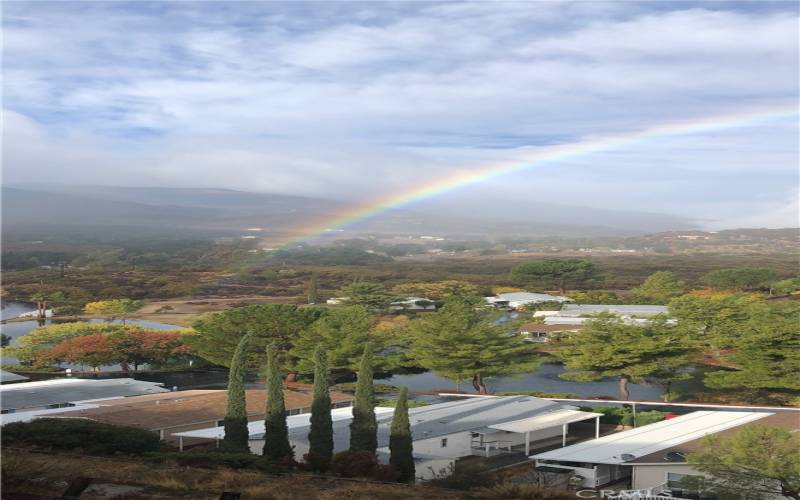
x: 444, y: 442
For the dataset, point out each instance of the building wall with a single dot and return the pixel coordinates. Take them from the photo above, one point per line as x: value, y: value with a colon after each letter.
x: 647, y: 476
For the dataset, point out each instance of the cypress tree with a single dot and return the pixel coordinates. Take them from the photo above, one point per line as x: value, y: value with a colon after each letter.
x: 276, y: 433
x: 320, y: 437
x: 400, y: 444
x: 364, y: 428
x: 312, y: 289
x: 235, y: 422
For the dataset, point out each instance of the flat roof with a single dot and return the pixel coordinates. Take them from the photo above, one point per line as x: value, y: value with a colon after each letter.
x: 426, y: 421
x: 650, y: 438
x: 545, y: 421
x: 11, y: 377
x: 789, y: 420
x: 628, y: 309
x: 71, y: 390
x: 175, y: 409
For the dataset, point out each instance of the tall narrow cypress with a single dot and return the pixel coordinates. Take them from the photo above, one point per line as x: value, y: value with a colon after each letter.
x: 320, y: 437
x: 364, y: 428
x: 401, y: 447
x: 276, y: 433
x: 235, y: 422
x: 312, y: 289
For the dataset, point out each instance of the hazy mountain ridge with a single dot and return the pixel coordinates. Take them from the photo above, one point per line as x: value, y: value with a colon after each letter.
x: 211, y: 208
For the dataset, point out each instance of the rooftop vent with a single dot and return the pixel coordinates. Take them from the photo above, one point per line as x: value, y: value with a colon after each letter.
x: 627, y: 457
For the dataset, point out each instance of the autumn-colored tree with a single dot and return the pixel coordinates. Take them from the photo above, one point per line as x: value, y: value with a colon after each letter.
x: 91, y: 350
x: 139, y: 346
x: 116, y: 308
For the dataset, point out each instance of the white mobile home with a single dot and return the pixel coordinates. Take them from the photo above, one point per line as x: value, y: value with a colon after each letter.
x: 445, y: 432
x: 618, y: 456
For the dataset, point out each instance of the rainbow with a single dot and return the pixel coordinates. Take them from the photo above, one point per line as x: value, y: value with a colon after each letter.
x: 371, y: 208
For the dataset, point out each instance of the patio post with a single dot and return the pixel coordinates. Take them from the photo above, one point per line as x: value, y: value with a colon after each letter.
x: 597, y: 427
x: 527, y: 443
x: 563, y: 435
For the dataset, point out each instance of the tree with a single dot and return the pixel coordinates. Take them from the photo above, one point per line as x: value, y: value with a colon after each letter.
x: 758, y: 462
x: 138, y: 346
x: 44, y: 298
x: 5, y: 340
x: 659, y: 288
x: 276, y: 432
x: 91, y: 350
x: 401, y: 446
x: 610, y: 347
x: 766, y: 352
x: 342, y: 331
x: 370, y: 295
x: 461, y: 342
x: 219, y: 333
x: 235, y: 422
x: 439, y: 290
x: 712, y: 320
x: 320, y: 436
x: 558, y: 272
x: 312, y: 289
x: 786, y: 287
x: 739, y: 278
x: 364, y: 427
x: 116, y: 308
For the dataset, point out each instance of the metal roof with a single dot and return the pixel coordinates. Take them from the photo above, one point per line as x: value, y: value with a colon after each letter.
x: 10, y: 377
x: 628, y: 310
x: 71, y: 390
x: 426, y: 422
x: 545, y: 421
x: 626, y: 446
x: 528, y: 297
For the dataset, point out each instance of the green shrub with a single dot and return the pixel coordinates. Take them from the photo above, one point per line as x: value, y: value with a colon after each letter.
x: 212, y: 459
x: 624, y: 415
x: 93, y: 438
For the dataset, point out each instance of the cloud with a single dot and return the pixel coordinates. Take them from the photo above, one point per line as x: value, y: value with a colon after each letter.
x: 352, y: 101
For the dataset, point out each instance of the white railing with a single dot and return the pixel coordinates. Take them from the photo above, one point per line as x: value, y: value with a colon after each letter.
x: 489, y: 448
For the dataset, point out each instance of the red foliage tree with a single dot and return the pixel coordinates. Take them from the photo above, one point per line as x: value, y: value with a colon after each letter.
x: 92, y: 350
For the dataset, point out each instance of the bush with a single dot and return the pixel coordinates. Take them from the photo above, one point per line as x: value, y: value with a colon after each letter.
x: 354, y: 463
x: 464, y: 479
x: 93, y: 438
x: 213, y: 459
x: 624, y: 415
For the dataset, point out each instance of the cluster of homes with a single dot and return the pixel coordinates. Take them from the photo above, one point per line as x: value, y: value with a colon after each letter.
x: 552, y: 438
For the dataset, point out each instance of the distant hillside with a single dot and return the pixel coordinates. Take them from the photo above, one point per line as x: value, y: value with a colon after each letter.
x: 226, y: 210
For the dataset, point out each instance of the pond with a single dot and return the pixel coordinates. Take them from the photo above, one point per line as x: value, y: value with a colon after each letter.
x: 545, y: 379
x: 18, y: 329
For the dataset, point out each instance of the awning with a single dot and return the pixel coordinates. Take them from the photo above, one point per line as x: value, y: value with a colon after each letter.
x: 545, y: 421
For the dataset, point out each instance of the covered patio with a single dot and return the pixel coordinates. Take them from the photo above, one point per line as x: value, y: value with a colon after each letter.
x: 539, y: 430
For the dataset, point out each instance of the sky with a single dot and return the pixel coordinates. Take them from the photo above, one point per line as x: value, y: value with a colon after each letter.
x: 356, y: 100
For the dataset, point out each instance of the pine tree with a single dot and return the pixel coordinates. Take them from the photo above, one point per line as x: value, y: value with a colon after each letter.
x: 364, y: 427
x: 400, y: 444
x: 320, y: 437
x: 276, y: 433
x: 312, y: 289
x: 235, y: 422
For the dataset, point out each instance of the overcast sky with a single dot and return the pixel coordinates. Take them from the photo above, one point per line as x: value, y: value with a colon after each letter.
x: 353, y: 100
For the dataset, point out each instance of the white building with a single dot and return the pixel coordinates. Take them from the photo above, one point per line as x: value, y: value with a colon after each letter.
x: 68, y: 392
x: 632, y: 310
x: 515, y: 300
x: 413, y: 304
x: 445, y: 432
x: 653, y: 456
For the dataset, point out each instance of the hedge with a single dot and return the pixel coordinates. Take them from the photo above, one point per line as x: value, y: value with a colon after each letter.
x: 93, y: 438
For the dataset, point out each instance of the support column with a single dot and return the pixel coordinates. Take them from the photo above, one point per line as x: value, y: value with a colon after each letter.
x: 563, y: 435
x: 527, y: 444
x: 180, y: 443
x: 597, y: 427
